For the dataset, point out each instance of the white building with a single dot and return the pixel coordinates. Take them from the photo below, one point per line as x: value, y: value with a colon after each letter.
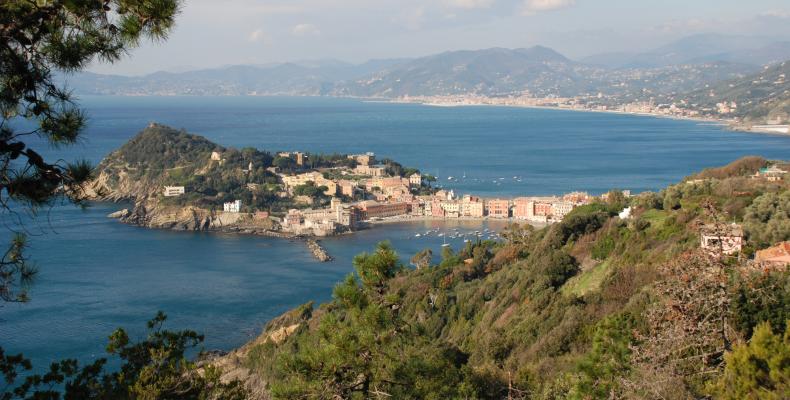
x: 232, y: 207
x: 172, y: 191
x: 415, y: 179
x: 560, y: 209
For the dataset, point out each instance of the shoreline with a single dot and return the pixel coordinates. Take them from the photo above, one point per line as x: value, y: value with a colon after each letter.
x: 420, y: 218
x: 729, y: 124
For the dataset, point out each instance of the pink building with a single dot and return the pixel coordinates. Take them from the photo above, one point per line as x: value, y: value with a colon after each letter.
x: 498, y: 208
x: 523, y: 208
x: 436, y: 209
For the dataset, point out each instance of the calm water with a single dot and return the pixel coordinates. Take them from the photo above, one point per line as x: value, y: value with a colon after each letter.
x: 97, y: 274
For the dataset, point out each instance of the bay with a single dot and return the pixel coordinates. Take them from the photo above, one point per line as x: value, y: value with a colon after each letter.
x: 97, y: 274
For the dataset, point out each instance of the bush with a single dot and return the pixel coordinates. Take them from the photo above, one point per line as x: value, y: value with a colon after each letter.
x: 767, y: 219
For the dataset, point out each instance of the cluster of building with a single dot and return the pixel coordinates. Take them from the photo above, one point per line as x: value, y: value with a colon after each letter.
x: 368, y: 193
x: 442, y: 204
x: 771, y: 174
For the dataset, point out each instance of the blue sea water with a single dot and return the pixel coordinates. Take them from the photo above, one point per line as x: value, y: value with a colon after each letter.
x: 96, y: 274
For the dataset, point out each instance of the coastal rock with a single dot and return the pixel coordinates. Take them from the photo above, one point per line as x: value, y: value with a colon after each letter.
x: 119, y: 214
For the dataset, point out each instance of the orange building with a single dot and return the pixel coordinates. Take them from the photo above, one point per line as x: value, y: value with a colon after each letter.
x: 775, y: 257
x: 372, y: 209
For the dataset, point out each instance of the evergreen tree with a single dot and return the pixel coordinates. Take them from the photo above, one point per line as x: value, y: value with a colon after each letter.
x: 757, y: 370
x: 39, y: 39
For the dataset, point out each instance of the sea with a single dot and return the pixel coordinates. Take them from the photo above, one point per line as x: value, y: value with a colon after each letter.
x: 96, y: 274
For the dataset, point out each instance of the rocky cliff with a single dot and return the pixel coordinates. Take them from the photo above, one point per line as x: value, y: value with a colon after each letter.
x: 152, y: 214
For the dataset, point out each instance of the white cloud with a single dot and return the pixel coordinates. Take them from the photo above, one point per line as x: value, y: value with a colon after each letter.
x: 305, y: 30
x: 532, y: 7
x: 469, y: 4
x: 258, y: 35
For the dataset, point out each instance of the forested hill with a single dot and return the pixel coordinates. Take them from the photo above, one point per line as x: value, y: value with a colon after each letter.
x: 159, y: 147
x: 594, y: 307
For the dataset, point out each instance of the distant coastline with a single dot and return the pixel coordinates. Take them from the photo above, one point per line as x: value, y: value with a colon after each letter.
x: 730, y: 124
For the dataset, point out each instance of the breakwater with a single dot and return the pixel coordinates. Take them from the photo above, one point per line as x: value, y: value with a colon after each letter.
x: 318, y: 251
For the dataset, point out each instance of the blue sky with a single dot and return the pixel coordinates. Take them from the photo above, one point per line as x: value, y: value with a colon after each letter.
x: 213, y: 33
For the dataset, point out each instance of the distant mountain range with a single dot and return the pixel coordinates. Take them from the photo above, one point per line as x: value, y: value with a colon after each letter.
x: 697, y: 49
x: 687, y: 65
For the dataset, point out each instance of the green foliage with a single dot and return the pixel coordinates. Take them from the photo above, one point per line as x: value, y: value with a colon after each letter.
x: 375, y: 269
x: 760, y: 297
x: 767, y: 219
x: 362, y: 348
x: 607, y: 360
x: 309, y: 189
x: 16, y: 272
x: 742, y: 167
x: 38, y: 39
x: 757, y: 370
x: 154, y: 368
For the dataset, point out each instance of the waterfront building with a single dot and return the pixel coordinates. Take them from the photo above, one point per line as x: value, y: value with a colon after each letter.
x: 542, y: 208
x: 472, y: 206
x: 523, y: 208
x: 373, y: 209
x: 348, y: 216
x: 498, y: 208
x: 293, y: 218
x: 232, y: 206
x: 436, y: 209
x: 261, y: 214
x: 452, y: 209
x: 172, y: 191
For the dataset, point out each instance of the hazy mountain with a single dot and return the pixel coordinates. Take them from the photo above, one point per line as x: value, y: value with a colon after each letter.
x: 702, y: 48
x: 539, y: 71
x: 303, y: 78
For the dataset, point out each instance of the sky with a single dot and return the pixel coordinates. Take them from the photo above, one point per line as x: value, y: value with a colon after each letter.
x: 215, y: 33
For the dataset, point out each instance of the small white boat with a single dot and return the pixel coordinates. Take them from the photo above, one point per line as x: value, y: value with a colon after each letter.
x: 417, y: 235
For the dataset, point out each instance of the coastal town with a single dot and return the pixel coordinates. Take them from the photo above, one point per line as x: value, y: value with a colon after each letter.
x: 367, y: 194
x: 723, y: 112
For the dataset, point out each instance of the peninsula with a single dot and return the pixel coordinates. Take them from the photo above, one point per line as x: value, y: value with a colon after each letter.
x: 182, y: 181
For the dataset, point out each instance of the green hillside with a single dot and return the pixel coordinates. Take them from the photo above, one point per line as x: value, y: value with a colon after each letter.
x: 594, y: 307
x: 760, y: 98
